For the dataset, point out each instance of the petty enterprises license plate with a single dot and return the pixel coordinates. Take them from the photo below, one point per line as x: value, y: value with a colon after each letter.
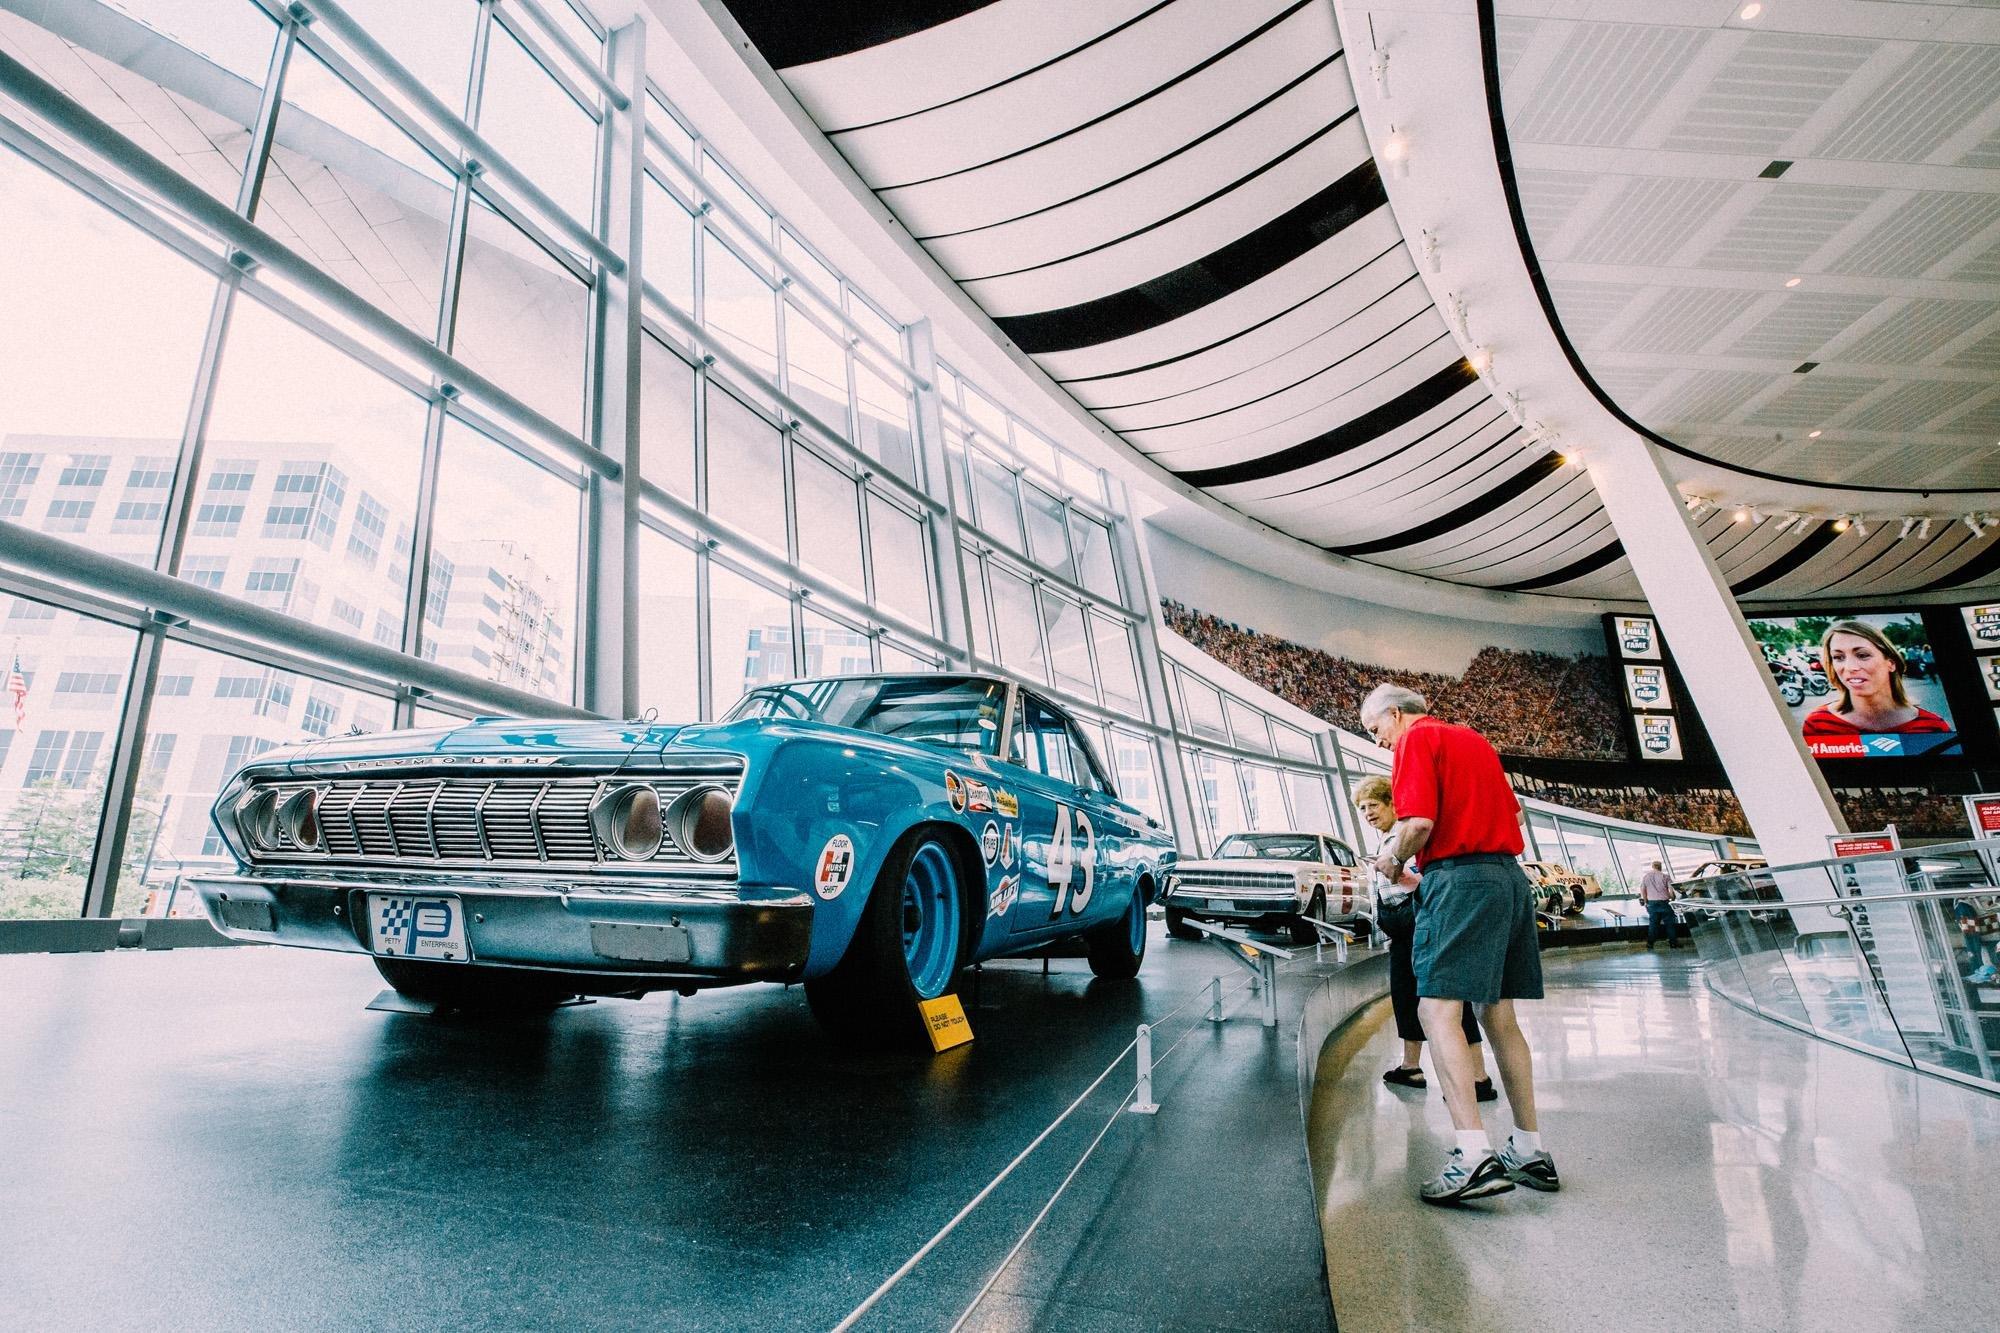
x: 407, y: 925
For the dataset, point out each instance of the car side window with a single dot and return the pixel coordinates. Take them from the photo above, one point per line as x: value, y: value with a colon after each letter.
x: 1046, y: 741
x: 1338, y: 852
x: 1089, y: 773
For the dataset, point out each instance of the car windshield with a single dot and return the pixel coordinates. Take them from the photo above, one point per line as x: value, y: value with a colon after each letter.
x: 956, y: 712
x: 1269, y: 847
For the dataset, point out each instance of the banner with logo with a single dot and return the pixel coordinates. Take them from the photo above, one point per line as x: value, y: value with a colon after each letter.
x: 1638, y: 636
x: 1982, y: 623
x: 1659, y: 737
x: 1646, y: 687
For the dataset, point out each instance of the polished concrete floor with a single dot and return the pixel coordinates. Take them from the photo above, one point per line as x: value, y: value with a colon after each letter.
x: 1721, y: 1172
x: 226, y: 1139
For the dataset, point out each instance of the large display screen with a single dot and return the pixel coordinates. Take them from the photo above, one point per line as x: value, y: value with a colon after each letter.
x: 1859, y: 686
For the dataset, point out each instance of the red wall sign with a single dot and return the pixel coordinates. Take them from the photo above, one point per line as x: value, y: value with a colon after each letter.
x: 1864, y: 844
x: 1985, y: 815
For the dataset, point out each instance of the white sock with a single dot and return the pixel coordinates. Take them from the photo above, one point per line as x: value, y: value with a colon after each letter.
x: 1474, y: 1144
x: 1529, y: 1141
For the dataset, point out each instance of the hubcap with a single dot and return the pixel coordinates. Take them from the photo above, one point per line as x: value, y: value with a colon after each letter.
x: 930, y: 920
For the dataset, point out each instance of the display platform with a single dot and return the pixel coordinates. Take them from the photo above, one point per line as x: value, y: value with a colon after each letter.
x: 253, y: 1148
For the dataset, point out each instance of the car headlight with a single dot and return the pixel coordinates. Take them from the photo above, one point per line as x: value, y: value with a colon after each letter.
x: 699, y: 818
x: 629, y: 821
x: 297, y: 820
x: 257, y: 818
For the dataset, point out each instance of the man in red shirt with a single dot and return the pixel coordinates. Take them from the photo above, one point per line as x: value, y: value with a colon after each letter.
x: 1459, y: 821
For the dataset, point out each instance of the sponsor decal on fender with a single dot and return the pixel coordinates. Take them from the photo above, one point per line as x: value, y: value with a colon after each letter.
x: 989, y: 842
x: 1004, y: 894
x: 1009, y: 805
x: 834, y: 867
x: 978, y: 796
x: 1009, y: 840
x: 954, y: 791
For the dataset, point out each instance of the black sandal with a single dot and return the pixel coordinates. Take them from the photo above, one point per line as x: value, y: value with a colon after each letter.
x: 1405, y: 1078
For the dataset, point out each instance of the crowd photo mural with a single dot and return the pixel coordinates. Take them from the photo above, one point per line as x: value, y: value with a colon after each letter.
x: 1859, y: 686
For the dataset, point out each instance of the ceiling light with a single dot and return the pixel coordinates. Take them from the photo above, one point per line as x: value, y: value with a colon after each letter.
x: 1755, y: 517
x: 1749, y: 11
x: 1923, y: 529
x: 1814, y: 434
x: 1840, y: 524
x: 1741, y: 515
x: 1793, y: 282
x: 1481, y: 360
x: 1860, y: 525
x: 1972, y: 521
x: 1908, y: 523
x: 1396, y: 152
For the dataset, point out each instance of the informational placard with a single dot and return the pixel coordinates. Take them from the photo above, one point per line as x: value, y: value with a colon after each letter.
x: 1865, y: 844
x: 1659, y: 737
x: 1888, y: 931
x: 1638, y: 637
x: 1646, y: 687
x: 1982, y: 813
x: 1989, y: 673
x: 945, y: 1022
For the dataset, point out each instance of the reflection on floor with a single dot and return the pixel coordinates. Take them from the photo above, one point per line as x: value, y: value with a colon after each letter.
x: 1719, y: 1172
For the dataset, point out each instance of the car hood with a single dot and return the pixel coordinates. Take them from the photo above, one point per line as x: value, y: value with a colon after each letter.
x: 552, y: 742
x: 1293, y: 868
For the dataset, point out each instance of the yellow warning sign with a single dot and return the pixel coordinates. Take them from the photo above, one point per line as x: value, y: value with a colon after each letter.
x: 944, y: 1019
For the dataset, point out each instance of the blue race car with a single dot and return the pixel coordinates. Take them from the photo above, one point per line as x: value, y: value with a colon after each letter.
x: 869, y: 836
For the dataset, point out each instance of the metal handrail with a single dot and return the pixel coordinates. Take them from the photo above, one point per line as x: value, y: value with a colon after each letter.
x: 1769, y: 904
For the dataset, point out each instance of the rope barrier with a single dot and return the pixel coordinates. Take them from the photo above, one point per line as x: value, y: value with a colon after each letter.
x: 909, y: 1265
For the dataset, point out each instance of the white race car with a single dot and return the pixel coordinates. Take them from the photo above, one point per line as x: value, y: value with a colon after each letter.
x: 1270, y: 881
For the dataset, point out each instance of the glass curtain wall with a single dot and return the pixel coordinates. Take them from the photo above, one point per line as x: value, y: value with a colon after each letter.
x: 311, y: 336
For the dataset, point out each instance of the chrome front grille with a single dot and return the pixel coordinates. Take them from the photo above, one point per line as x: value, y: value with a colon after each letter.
x: 480, y: 821
x: 1237, y: 881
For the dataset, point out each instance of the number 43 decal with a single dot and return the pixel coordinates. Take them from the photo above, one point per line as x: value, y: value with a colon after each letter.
x: 1072, y: 850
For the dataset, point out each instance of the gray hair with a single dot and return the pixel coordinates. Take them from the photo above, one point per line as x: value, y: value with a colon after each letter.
x: 1386, y: 696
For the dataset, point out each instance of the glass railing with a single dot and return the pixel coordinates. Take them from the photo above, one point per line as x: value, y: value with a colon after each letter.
x: 1896, y: 954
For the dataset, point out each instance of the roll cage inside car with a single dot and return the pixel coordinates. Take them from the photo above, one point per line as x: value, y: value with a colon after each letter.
x: 922, y: 709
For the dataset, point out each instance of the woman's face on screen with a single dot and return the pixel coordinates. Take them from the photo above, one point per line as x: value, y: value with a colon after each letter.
x: 1859, y: 665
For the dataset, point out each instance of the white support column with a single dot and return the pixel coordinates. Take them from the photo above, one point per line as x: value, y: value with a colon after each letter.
x: 610, y: 636
x: 1783, y: 795
x: 1449, y: 186
x: 954, y: 623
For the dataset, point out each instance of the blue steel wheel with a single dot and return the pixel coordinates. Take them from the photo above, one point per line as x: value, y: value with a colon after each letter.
x: 1117, y: 948
x: 932, y: 920
x: 907, y: 947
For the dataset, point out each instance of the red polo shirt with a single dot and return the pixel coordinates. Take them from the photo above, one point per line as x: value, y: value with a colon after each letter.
x: 1449, y: 775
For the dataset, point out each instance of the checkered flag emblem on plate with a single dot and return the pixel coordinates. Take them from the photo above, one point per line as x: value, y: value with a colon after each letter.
x: 392, y: 919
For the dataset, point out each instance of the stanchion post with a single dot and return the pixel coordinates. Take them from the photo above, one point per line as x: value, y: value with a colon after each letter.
x: 1215, y: 999
x: 1143, y: 1103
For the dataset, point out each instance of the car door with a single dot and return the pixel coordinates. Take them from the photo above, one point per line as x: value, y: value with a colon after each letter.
x: 1349, y: 891
x: 1116, y: 841
x: 1039, y: 755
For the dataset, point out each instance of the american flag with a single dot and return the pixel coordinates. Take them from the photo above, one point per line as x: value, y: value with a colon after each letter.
x: 17, y: 685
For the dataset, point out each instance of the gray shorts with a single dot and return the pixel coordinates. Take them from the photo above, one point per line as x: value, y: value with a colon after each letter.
x: 1475, y: 937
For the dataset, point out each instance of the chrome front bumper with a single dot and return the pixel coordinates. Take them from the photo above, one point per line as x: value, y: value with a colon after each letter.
x: 1224, y: 904
x: 618, y: 928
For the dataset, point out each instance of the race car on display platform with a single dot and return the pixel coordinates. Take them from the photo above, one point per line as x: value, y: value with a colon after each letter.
x: 1271, y: 881
x: 1559, y: 889
x: 869, y: 836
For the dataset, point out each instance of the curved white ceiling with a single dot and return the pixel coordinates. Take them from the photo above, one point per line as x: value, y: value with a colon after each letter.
x: 1173, y: 208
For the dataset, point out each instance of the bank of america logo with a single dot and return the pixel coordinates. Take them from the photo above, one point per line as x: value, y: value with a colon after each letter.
x: 1884, y: 744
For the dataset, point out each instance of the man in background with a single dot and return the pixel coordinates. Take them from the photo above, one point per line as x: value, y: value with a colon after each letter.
x: 1459, y: 822
x: 1657, y: 892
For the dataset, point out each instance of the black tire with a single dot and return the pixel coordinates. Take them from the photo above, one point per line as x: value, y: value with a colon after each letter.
x: 477, y: 989
x: 868, y: 999
x: 1112, y: 949
x: 1178, y: 927
x: 1300, y: 929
